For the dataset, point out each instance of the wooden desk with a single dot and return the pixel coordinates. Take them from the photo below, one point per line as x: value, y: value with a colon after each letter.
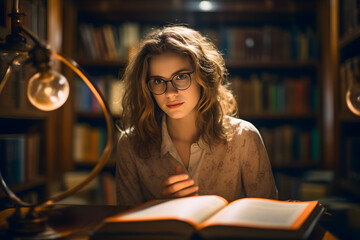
x: 76, y: 222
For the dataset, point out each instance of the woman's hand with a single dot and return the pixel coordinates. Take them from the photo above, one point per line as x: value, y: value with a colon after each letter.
x: 179, y: 185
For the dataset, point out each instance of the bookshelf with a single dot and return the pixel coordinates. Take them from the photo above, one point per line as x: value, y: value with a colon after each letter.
x: 27, y: 135
x: 276, y: 52
x: 348, y: 124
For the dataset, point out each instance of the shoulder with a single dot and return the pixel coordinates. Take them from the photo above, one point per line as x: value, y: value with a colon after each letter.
x: 129, y: 145
x: 124, y: 138
x: 239, y: 127
x: 125, y: 144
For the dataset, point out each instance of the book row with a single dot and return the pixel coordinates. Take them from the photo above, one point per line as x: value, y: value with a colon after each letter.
x: 269, y: 93
x: 89, y: 143
x: 349, y: 16
x: 289, y: 145
x: 305, y: 185
x: 19, y: 157
x: 101, y: 190
x: 109, y: 42
x: 109, y: 86
x: 268, y: 43
x: 116, y: 42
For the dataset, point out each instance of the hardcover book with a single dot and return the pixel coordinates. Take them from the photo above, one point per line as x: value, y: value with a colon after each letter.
x: 212, y: 217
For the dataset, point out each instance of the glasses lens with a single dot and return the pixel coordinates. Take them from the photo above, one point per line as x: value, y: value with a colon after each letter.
x: 157, y: 86
x: 181, y: 81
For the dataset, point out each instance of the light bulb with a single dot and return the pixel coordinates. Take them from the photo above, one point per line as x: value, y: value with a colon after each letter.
x: 48, y: 90
x: 353, y: 99
x: 206, y: 6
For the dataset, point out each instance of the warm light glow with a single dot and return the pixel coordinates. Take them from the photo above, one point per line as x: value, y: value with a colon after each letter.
x: 353, y: 100
x: 206, y: 5
x: 48, y: 91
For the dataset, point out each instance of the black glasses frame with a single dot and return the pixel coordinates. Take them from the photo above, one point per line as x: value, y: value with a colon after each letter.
x: 172, y: 83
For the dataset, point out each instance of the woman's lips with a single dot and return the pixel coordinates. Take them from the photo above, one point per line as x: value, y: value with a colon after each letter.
x: 174, y: 105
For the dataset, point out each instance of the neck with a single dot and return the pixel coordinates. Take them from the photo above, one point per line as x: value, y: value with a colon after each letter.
x: 183, y: 129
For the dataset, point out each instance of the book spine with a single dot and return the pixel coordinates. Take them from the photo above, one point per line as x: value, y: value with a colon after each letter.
x: 271, y: 94
x: 290, y: 145
x: 268, y: 43
x: 109, y: 42
x: 13, y: 158
x: 89, y: 143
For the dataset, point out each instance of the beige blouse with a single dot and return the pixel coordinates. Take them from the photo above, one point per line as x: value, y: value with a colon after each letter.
x: 240, y: 168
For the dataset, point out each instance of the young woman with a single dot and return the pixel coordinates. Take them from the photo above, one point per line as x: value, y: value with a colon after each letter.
x: 178, y: 139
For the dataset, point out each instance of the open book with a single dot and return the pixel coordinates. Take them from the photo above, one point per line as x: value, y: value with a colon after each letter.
x: 212, y: 217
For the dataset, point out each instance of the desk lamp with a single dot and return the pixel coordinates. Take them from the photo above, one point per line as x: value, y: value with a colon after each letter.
x: 353, y: 93
x: 47, y: 90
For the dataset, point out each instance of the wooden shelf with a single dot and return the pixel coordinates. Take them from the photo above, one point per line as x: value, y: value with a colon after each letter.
x: 238, y: 6
x: 230, y: 63
x: 26, y: 186
x: 349, y: 118
x: 23, y: 114
x: 349, y: 38
x: 350, y: 186
x: 101, y: 62
x: 294, y: 167
x: 278, y: 116
x: 94, y: 115
x: 87, y: 165
x: 271, y: 64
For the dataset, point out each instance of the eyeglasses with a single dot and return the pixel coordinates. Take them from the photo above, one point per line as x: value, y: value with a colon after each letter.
x: 180, y: 81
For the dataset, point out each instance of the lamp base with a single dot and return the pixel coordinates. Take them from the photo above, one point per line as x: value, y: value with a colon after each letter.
x: 48, y: 233
x: 30, y: 225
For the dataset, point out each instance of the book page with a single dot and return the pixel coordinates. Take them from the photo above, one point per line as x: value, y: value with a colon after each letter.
x: 191, y: 209
x: 253, y: 212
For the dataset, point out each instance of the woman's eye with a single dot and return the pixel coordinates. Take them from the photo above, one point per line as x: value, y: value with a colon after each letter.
x: 157, y: 81
x: 180, y: 77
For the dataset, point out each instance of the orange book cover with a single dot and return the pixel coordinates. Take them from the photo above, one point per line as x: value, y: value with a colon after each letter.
x: 211, y: 216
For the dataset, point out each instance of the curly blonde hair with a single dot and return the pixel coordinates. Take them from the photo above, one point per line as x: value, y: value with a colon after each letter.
x: 141, y: 114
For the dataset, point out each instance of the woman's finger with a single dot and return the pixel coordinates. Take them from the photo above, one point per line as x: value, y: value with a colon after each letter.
x: 174, y: 179
x: 186, y: 192
x: 173, y: 188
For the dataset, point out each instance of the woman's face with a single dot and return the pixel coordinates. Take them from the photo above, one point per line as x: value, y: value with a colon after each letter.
x: 175, y: 103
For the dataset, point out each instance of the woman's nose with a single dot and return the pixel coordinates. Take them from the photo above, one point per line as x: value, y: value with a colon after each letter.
x: 170, y: 89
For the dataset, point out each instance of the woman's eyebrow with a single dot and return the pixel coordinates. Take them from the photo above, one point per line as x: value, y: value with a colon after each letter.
x: 172, y: 75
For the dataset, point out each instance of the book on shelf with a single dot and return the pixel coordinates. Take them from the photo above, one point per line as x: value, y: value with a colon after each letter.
x: 116, y: 41
x: 268, y: 43
x: 270, y: 93
x: 109, y: 41
x: 19, y: 157
x: 289, y: 145
x: 349, y: 16
x: 287, y: 184
x: 108, y: 188
x: 111, y: 88
x: 212, y: 217
x: 89, y: 143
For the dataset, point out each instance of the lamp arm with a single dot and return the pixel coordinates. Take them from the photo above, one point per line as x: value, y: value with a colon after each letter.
x: 110, y: 130
x: 12, y: 195
x: 32, y: 36
x: 3, y: 184
x: 4, y: 80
